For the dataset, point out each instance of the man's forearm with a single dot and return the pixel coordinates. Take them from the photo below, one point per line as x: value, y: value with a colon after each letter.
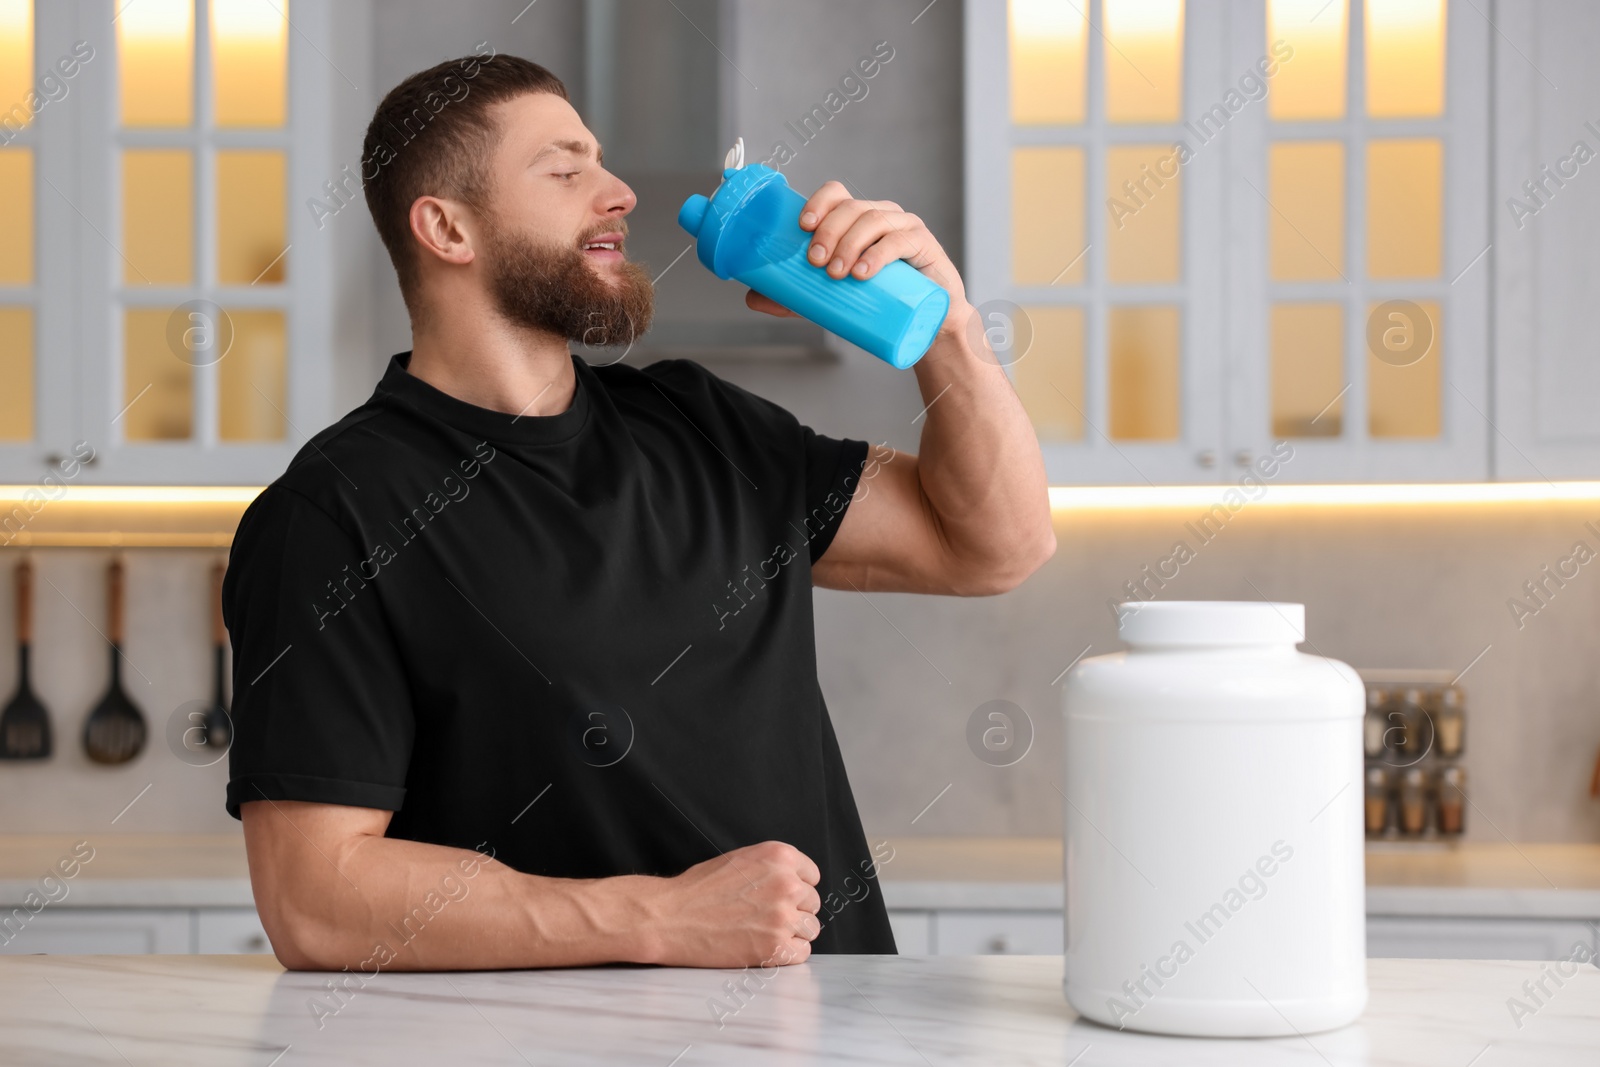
x: 391, y: 904
x: 979, y: 461
x: 334, y: 892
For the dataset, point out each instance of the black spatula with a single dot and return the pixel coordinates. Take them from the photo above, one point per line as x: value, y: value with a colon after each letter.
x: 217, y: 725
x: 115, y: 731
x: 25, y: 724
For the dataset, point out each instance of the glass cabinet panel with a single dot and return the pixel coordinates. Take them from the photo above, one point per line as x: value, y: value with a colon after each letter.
x: 158, y: 216
x: 252, y: 392
x: 1307, y: 370
x: 1049, y: 377
x: 1305, y: 181
x: 1405, y: 58
x: 155, y: 62
x: 1405, y: 208
x: 16, y: 59
x: 1145, y: 373
x: 249, y: 49
x: 251, y: 217
x: 16, y: 221
x: 1047, y: 216
x: 1143, y: 60
x: 1049, y: 61
x: 157, y: 387
x: 1145, y: 235
x: 1404, y: 397
x: 16, y: 371
x: 1312, y: 84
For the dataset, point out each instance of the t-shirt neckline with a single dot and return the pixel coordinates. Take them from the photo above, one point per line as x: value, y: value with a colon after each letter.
x: 484, y: 423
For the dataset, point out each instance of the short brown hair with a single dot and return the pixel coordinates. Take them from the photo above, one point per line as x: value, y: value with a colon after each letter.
x: 432, y: 136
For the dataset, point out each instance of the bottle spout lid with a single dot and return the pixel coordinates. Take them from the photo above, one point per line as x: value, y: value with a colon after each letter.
x: 693, y: 213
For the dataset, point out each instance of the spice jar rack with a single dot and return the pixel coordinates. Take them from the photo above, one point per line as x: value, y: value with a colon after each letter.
x: 1413, y: 737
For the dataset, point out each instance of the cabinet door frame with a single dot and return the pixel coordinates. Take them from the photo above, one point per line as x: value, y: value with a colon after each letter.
x: 50, y: 136
x: 990, y: 137
x: 1535, y: 125
x: 1461, y: 453
x: 306, y: 140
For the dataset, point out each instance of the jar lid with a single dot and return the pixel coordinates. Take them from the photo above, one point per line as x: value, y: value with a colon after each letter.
x: 1210, y: 622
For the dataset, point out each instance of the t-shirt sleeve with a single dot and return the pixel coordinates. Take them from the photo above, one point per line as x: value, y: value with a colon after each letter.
x: 826, y: 469
x: 321, y: 708
x: 833, y: 469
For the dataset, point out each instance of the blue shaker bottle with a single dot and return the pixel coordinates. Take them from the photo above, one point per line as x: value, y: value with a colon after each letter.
x: 749, y: 230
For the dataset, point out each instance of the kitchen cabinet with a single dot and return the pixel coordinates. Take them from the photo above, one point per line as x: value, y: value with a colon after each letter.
x: 137, y: 931
x: 1546, y: 214
x: 104, y: 931
x: 230, y: 931
x: 167, y: 305
x: 913, y: 932
x: 1237, y: 241
x: 998, y: 933
x: 1428, y: 938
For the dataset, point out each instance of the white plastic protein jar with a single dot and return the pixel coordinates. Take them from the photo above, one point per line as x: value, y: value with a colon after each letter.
x: 1214, y: 842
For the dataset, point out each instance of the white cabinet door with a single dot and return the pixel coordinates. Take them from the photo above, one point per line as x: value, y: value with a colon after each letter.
x: 1546, y: 223
x: 115, y: 359
x: 998, y: 933
x: 1308, y: 298
x: 99, y: 932
x: 1426, y: 938
x: 1123, y: 370
x: 230, y: 931
x: 913, y: 932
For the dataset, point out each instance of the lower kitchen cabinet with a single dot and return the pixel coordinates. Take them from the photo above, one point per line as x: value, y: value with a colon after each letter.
x: 99, y: 931
x: 976, y: 933
x: 229, y: 931
x: 133, y: 931
x: 913, y: 932
x: 1428, y: 938
x: 963, y: 932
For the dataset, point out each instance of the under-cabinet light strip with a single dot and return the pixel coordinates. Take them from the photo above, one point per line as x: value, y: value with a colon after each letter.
x: 1258, y: 494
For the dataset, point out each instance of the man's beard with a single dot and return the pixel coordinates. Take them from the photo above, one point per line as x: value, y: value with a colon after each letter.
x: 557, y: 290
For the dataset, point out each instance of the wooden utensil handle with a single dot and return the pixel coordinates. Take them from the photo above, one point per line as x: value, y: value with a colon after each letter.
x: 114, y: 601
x: 219, y: 632
x: 25, y: 602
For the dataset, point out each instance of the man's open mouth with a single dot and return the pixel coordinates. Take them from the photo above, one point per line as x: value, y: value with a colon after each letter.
x: 608, y: 246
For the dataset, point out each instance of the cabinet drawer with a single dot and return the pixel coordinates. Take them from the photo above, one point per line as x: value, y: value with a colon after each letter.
x: 230, y: 931
x: 95, y: 931
x: 1425, y: 938
x: 998, y: 933
x: 913, y: 932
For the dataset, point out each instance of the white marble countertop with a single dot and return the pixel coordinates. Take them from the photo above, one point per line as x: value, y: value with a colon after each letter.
x: 1556, y: 881
x: 920, y: 1010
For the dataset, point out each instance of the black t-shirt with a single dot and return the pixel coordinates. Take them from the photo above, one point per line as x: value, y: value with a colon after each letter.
x: 582, y: 642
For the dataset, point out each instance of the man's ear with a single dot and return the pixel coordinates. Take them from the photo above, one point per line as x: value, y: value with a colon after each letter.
x: 442, y: 229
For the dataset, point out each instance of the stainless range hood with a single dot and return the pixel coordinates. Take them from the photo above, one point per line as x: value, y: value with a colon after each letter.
x: 661, y: 91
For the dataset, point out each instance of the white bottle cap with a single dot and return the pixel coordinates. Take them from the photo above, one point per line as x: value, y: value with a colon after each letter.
x: 1210, y: 622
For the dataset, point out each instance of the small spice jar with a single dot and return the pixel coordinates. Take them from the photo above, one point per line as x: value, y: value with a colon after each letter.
x: 1377, y: 803
x: 1414, y: 735
x: 1376, y: 724
x: 1451, y: 720
x: 1452, y: 798
x: 1413, y: 800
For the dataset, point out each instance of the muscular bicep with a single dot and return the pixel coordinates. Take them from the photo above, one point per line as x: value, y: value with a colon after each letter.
x: 889, y: 539
x: 300, y: 857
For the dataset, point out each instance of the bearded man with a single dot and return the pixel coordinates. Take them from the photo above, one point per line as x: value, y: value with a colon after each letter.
x: 525, y: 660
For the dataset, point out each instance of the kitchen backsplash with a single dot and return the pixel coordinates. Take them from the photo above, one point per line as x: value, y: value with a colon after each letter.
x: 905, y: 677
